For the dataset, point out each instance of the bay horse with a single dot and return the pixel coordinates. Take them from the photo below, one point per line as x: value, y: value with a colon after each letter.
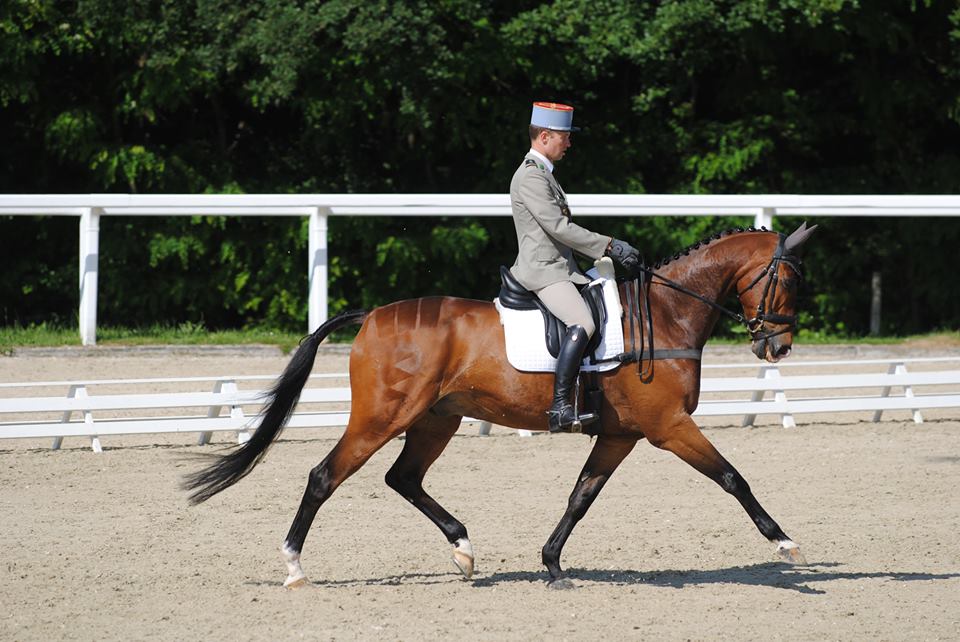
x: 419, y: 366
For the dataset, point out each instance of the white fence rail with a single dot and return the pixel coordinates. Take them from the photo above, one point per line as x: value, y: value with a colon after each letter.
x: 199, y: 412
x: 892, y: 389
x: 319, y: 207
x: 898, y: 384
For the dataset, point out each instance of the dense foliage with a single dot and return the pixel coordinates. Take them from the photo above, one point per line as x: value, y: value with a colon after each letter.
x: 681, y: 96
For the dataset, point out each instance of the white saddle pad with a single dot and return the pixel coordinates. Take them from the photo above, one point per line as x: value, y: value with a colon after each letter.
x: 524, y: 332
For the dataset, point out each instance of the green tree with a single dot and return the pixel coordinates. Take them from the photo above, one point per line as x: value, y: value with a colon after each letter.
x: 681, y: 96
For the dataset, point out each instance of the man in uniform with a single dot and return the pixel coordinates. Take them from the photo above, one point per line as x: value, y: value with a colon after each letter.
x: 547, y: 238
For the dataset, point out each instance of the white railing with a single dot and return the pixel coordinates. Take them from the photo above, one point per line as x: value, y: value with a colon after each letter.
x: 101, y: 414
x: 226, y: 407
x: 831, y: 393
x: 319, y: 207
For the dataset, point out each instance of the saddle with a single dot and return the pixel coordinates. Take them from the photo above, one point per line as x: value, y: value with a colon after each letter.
x: 516, y: 297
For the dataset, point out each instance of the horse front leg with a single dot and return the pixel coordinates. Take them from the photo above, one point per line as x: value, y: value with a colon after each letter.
x: 687, y: 442
x: 606, y: 455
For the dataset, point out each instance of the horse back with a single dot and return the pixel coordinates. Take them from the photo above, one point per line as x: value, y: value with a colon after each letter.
x: 428, y: 330
x: 425, y: 315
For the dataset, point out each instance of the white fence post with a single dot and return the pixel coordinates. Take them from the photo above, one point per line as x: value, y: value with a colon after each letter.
x: 89, y: 260
x: 786, y: 419
x: 757, y: 395
x: 485, y: 427
x: 898, y: 367
x: 71, y: 393
x: 228, y: 386
x: 764, y: 218
x: 770, y: 372
x: 79, y: 391
x: 317, y: 268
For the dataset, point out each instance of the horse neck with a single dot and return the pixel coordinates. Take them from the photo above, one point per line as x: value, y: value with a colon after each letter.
x: 712, y: 271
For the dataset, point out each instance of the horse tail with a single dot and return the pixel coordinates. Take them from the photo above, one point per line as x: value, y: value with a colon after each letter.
x: 227, y: 470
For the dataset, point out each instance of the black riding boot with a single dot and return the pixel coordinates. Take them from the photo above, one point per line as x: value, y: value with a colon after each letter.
x: 561, y: 414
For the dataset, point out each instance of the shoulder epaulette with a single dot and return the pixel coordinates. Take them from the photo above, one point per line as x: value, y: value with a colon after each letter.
x: 529, y: 162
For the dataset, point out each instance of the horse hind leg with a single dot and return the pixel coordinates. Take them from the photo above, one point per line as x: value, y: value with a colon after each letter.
x: 425, y: 440
x: 355, y: 447
x: 689, y: 444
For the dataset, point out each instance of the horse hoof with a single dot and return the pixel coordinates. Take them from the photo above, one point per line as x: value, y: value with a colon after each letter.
x: 463, y: 563
x: 790, y: 553
x: 561, y: 584
x: 294, y: 583
x: 463, y: 557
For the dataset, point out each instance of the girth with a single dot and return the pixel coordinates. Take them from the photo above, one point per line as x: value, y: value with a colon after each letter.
x: 513, y: 295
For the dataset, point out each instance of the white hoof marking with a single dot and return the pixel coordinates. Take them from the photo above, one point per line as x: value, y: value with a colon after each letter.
x: 790, y: 552
x: 463, y: 557
x: 295, y: 575
x: 292, y: 583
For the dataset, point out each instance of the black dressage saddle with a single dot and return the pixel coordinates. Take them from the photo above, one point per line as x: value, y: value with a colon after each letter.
x: 516, y: 297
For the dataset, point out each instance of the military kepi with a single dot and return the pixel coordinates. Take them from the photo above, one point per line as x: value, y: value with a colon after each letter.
x: 553, y: 116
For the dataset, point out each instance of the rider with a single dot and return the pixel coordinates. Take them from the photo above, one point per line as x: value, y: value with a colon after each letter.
x: 547, y: 238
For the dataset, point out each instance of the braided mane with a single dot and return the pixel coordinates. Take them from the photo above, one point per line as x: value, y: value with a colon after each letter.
x: 706, y: 241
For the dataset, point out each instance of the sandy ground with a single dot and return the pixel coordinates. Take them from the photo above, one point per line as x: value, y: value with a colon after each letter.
x: 104, y: 546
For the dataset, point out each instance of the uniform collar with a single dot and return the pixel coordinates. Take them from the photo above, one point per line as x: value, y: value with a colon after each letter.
x: 546, y: 161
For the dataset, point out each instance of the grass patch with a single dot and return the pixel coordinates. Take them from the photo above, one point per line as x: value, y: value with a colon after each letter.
x: 44, y: 335
x: 945, y: 338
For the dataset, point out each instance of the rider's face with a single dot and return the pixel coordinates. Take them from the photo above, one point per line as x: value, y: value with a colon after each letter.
x: 555, y: 144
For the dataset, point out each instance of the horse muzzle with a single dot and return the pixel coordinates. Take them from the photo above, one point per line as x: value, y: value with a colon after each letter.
x: 772, y: 348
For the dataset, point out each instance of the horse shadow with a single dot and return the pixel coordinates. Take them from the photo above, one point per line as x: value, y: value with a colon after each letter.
x: 802, y: 579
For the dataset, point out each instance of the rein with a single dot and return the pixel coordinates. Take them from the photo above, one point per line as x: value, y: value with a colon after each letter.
x: 755, y: 325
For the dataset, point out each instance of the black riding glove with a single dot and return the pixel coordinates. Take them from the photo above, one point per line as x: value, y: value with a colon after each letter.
x: 624, y: 254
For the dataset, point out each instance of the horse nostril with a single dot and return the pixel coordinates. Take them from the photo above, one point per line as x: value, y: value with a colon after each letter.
x: 783, y: 351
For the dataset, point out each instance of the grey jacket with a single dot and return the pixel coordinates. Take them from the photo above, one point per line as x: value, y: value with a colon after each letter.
x: 546, y: 235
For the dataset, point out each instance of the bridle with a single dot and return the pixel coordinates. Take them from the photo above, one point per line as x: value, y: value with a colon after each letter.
x: 756, y: 325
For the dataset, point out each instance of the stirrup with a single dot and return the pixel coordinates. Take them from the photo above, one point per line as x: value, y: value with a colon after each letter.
x: 573, y: 424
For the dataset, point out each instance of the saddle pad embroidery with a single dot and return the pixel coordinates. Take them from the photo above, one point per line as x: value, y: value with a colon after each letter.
x: 527, y: 347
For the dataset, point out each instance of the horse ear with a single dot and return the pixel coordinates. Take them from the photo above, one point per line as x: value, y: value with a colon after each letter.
x: 796, y: 239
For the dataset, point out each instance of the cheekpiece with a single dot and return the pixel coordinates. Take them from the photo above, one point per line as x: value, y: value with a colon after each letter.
x: 553, y: 116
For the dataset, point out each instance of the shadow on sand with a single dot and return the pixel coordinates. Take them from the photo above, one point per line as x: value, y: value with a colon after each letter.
x: 802, y: 579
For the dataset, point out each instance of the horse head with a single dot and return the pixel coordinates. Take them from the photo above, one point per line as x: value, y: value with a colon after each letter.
x: 769, y: 299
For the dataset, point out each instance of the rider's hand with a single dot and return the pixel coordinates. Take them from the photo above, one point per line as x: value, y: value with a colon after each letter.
x: 624, y: 254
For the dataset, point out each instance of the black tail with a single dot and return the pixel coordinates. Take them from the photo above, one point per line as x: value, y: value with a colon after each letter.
x: 282, y: 398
